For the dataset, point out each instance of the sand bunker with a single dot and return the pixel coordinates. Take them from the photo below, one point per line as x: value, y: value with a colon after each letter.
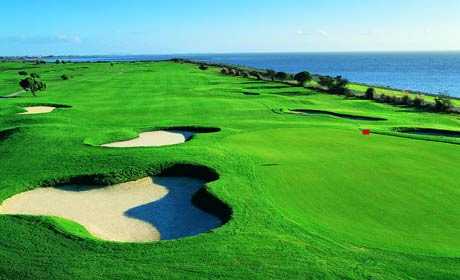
x: 338, y: 115
x: 140, y: 211
x: 38, y: 110
x: 429, y: 132
x: 99, y: 210
x: 154, y: 139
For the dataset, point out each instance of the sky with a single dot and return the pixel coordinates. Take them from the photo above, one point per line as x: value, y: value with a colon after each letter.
x: 95, y: 27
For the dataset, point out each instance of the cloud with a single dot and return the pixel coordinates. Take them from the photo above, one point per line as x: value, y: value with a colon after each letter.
x: 322, y: 33
x: 314, y: 33
x: 42, y: 40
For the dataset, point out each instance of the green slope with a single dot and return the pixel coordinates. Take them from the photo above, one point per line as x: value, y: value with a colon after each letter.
x: 312, y: 197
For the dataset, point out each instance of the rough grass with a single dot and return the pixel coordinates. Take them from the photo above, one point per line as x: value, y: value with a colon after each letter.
x: 399, y: 93
x: 311, y: 197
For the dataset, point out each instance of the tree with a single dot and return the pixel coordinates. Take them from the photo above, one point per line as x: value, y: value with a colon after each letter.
x: 35, y: 75
x: 203, y: 67
x: 57, y: 61
x: 337, y: 85
x: 303, y: 77
x: 326, y: 81
x: 22, y: 73
x: 32, y: 84
x: 224, y: 71
x: 65, y: 77
x: 281, y: 76
x: 271, y: 74
x: 370, y: 93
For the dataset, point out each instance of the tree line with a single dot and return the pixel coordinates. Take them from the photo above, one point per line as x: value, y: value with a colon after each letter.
x: 339, y: 86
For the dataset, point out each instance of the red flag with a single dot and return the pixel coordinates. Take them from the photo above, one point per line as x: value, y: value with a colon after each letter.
x: 366, y: 132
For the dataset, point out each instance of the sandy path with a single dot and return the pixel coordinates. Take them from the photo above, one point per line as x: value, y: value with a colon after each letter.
x: 100, y: 210
x: 153, y: 139
x: 38, y: 110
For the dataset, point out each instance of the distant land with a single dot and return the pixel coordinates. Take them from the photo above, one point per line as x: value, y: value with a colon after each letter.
x: 430, y: 72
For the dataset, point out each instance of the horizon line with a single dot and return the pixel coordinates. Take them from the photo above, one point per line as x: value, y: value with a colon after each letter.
x: 230, y: 53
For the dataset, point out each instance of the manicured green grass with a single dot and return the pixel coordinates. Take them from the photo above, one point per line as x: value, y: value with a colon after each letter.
x: 312, y: 198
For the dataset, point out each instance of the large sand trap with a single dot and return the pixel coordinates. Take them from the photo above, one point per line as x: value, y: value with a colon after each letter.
x: 139, y: 211
x: 154, y: 139
x: 38, y: 110
x: 100, y: 210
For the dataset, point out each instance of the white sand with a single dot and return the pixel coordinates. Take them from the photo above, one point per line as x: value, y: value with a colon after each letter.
x: 38, y: 110
x: 153, y: 139
x: 99, y: 210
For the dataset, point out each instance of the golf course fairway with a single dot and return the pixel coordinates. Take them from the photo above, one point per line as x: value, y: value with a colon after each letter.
x: 298, y: 196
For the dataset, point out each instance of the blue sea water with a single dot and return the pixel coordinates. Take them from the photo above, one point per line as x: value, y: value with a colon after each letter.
x: 431, y: 72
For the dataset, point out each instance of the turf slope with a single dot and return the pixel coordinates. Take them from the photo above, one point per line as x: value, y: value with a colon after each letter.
x: 311, y: 196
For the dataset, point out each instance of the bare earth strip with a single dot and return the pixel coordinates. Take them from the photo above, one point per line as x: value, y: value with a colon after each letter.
x: 38, y: 110
x: 153, y: 139
x: 100, y: 210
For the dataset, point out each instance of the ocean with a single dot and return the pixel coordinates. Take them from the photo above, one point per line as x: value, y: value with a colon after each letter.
x: 431, y: 72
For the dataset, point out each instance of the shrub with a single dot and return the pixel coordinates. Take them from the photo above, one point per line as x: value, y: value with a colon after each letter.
x: 281, y: 76
x: 340, y: 85
x: 203, y: 67
x: 418, y: 102
x: 370, y: 93
x: 35, y: 75
x: 65, y: 77
x: 256, y: 75
x: 224, y: 71
x: 22, y: 73
x: 442, y: 103
x: 326, y: 81
x: 405, y: 100
x: 270, y: 74
x: 303, y: 77
x: 244, y: 74
x: 388, y: 99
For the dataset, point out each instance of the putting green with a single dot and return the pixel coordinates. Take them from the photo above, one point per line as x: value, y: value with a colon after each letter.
x: 311, y: 197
